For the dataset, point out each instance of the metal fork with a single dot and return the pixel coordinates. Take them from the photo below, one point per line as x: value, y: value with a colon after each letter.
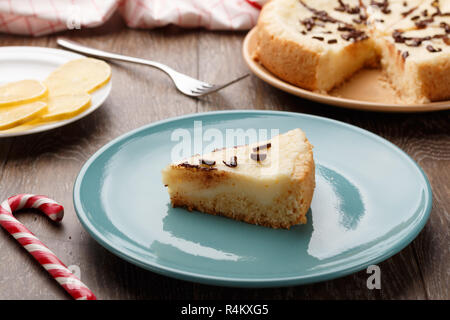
x: 185, y: 84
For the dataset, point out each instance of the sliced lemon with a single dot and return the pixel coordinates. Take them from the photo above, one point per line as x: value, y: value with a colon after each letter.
x: 65, y: 106
x: 20, y: 92
x: 78, y: 76
x: 13, y: 116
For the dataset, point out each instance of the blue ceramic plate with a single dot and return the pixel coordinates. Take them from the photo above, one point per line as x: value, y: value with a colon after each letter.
x: 371, y: 200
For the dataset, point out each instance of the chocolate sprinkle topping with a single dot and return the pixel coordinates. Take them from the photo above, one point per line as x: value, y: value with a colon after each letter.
x: 262, y: 147
x: 445, y: 26
x: 355, y: 35
x: 258, y: 156
x: 415, y: 41
x: 383, y: 5
x: 423, y: 23
x: 332, y: 41
x: 343, y: 7
x: 324, y: 17
x: 207, y: 162
x: 398, y: 36
x: 407, y: 13
x: 196, y: 166
x: 309, y: 23
x: 345, y: 27
x: 232, y: 163
x: 405, y: 55
x: 432, y: 49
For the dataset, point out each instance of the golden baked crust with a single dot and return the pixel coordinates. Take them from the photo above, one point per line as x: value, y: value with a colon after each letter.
x: 435, y: 80
x: 287, y: 59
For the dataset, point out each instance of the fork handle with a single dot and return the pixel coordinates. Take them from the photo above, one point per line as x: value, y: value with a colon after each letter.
x: 74, y: 46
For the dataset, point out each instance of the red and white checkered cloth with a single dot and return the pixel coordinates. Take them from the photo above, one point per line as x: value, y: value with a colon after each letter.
x: 39, y: 17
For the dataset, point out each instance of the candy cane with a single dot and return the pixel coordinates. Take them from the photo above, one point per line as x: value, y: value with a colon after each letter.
x: 35, y: 247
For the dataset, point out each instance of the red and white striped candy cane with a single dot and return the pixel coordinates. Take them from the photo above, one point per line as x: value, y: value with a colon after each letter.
x: 35, y: 247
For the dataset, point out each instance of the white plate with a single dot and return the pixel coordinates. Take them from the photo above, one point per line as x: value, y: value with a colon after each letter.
x: 18, y: 63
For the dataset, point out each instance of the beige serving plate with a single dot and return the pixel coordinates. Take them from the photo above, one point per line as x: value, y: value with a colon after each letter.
x: 366, y: 90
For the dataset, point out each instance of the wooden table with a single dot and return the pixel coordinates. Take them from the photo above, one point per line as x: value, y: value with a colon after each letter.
x: 48, y: 163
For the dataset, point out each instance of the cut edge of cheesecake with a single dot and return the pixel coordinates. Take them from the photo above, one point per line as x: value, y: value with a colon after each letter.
x: 272, y: 201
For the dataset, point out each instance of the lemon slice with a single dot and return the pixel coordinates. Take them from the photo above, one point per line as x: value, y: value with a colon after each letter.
x: 65, y: 106
x: 78, y: 76
x: 22, y: 91
x: 13, y: 116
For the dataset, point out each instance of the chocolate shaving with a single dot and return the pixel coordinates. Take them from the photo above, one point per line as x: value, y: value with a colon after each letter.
x: 323, y: 16
x: 407, y: 13
x: 262, y: 147
x: 343, y: 7
x: 382, y: 5
x: 309, y: 23
x: 345, y: 27
x: 414, y: 41
x: 196, y: 166
x: 258, y: 156
x: 331, y: 41
x: 320, y: 15
x: 421, y: 24
x: 232, y: 163
x: 445, y: 26
x: 432, y: 49
x: 355, y: 35
x: 207, y: 162
x: 405, y: 55
x: 398, y: 36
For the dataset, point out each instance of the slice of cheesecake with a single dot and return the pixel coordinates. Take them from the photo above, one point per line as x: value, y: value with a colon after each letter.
x: 269, y: 183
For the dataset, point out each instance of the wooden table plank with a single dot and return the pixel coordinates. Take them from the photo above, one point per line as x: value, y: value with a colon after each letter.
x: 49, y: 162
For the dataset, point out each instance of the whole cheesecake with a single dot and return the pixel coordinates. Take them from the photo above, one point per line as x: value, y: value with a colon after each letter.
x: 269, y: 183
x: 318, y: 44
